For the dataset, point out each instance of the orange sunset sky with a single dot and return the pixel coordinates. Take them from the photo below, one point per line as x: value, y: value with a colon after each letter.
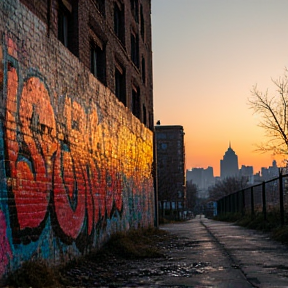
x: 207, y: 55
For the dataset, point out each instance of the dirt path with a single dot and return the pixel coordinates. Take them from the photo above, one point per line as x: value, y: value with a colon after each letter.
x: 198, y: 253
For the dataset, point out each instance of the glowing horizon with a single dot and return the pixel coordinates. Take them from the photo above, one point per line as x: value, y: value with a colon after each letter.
x: 207, y: 55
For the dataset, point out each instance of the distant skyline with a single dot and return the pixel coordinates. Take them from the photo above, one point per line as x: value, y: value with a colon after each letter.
x: 239, y: 166
x: 207, y: 55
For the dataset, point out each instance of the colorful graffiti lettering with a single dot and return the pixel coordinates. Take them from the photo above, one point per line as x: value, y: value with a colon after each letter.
x: 30, y: 157
x: 73, y: 173
x: 67, y: 166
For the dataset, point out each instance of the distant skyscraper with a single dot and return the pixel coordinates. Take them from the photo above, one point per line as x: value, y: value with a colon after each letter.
x: 229, y: 164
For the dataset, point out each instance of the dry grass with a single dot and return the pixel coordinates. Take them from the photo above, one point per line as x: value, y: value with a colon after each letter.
x: 135, y: 244
x: 34, y: 274
x: 281, y: 234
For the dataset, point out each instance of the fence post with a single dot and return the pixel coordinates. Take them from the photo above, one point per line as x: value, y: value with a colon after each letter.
x: 235, y: 202
x: 228, y: 203
x: 243, y: 202
x: 239, y: 201
x: 220, y: 207
x: 252, y: 202
x: 281, y: 200
x: 225, y: 205
x: 231, y: 202
x: 264, y: 201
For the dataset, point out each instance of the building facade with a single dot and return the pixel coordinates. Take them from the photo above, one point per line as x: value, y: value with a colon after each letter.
x: 246, y: 172
x: 203, y: 178
x: 270, y: 172
x: 171, y: 170
x: 229, y: 164
x: 76, y: 126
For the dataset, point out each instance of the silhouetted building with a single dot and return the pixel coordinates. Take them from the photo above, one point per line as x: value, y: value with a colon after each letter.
x: 257, y: 178
x: 171, y: 170
x: 247, y: 173
x: 196, y: 175
x: 203, y: 178
x: 229, y: 164
x: 270, y: 172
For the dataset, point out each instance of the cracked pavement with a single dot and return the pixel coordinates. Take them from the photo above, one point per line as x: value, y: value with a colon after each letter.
x: 199, y: 253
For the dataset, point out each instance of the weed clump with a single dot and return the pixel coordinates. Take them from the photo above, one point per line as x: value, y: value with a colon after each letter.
x: 281, y: 234
x: 134, y: 244
x: 130, y: 245
x: 34, y: 274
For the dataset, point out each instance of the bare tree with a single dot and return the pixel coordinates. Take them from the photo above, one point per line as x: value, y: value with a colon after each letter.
x: 226, y: 186
x: 274, y: 112
x: 191, y: 194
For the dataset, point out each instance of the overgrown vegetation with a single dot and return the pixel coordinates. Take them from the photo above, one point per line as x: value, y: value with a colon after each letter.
x: 271, y: 225
x: 134, y: 244
x: 34, y: 274
x: 226, y: 187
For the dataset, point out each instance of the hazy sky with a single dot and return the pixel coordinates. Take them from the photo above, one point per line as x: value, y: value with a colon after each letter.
x: 207, y: 55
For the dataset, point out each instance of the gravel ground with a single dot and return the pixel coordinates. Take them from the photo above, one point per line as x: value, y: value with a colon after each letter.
x: 110, y: 269
x: 134, y: 260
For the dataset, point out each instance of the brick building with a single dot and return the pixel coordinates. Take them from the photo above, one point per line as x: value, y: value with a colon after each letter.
x: 76, y: 126
x: 171, y: 170
x: 112, y: 39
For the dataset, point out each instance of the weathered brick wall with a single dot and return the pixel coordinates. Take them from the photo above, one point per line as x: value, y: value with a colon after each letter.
x: 75, y: 164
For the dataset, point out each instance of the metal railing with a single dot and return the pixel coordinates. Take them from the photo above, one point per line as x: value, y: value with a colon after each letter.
x: 263, y: 197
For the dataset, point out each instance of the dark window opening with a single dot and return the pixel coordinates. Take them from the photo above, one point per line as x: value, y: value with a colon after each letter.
x: 142, y: 24
x: 135, y: 49
x: 134, y: 9
x: 119, y: 22
x: 64, y: 17
x: 98, y: 62
x: 120, y: 88
x: 136, y: 108
x: 68, y: 26
x: 143, y: 70
x: 144, y: 115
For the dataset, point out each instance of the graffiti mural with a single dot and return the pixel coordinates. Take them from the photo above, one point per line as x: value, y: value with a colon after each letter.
x: 70, y: 170
x: 5, y: 250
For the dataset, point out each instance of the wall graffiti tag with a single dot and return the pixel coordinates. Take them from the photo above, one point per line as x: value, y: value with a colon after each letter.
x: 64, y: 165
